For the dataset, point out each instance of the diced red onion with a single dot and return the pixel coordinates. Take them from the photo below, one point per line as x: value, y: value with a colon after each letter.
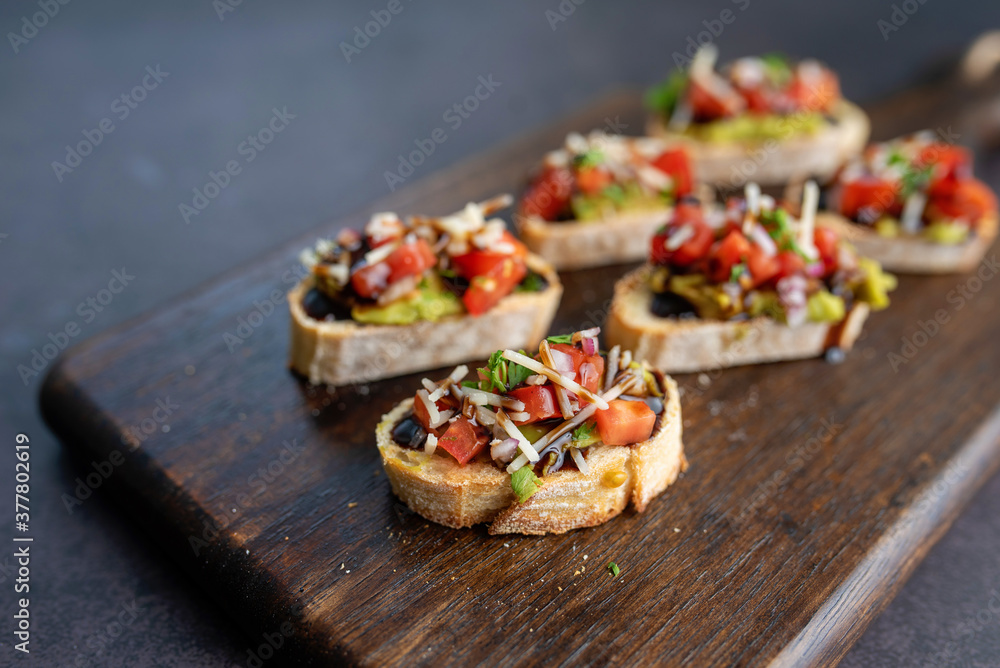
x: 504, y: 451
x: 563, y: 363
x: 589, y: 345
x: 764, y: 240
x: 815, y: 269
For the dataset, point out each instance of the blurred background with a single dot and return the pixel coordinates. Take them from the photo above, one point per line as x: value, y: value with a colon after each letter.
x: 212, y: 72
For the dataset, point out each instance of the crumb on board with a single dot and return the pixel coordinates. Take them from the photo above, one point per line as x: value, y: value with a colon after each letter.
x: 676, y: 530
x: 577, y: 572
x: 559, y: 588
x: 584, y: 557
x: 352, y: 504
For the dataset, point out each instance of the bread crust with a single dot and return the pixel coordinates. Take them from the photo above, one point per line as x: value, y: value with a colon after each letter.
x: 577, y: 245
x: 915, y: 255
x: 681, y: 346
x: 344, y: 351
x: 438, y: 488
x: 817, y: 155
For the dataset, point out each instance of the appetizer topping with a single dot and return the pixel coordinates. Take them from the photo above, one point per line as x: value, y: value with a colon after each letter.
x: 537, y: 414
x: 398, y: 272
x: 748, y: 100
x: 914, y: 185
x: 603, y: 175
x: 758, y: 259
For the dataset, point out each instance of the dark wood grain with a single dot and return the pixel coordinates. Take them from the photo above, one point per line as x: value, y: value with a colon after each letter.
x: 813, y: 491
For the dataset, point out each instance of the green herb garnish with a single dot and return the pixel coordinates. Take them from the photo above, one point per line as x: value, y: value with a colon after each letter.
x: 591, y: 158
x: 531, y: 283
x: 615, y: 193
x: 448, y: 273
x: 915, y: 179
x: 737, y: 271
x: 776, y: 69
x: 470, y: 384
x: 525, y: 483
x: 664, y: 96
x: 560, y: 338
x: 585, y: 435
x: 502, y: 375
x: 613, y: 568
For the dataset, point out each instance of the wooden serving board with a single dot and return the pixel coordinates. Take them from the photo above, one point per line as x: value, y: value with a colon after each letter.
x: 813, y: 492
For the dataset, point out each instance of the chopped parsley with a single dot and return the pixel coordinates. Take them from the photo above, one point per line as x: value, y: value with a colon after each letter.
x: 585, y: 435
x: 525, y: 483
x: 501, y: 374
x: 613, y: 568
x: 776, y: 69
x: 560, y: 338
x: 470, y: 383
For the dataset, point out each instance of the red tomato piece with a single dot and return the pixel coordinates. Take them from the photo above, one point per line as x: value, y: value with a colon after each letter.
x: 485, y: 290
x: 371, y: 279
x: 762, y: 267
x: 625, y: 422
x: 421, y: 415
x: 410, y: 259
x: 817, y: 93
x: 586, y: 377
x: 758, y: 100
x: 789, y: 263
x: 462, y: 441
x: 715, y: 100
x: 695, y: 248
x: 827, y: 242
x: 676, y: 163
x: 539, y: 402
x: 951, y: 162
x: 592, y: 180
x: 478, y: 263
x: 867, y: 198
x: 971, y: 200
x: 726, y: 254
x: 548, y: 196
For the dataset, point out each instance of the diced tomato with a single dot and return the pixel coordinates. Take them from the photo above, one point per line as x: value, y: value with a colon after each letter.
x: 486, y: 289
x: 677, y: 164
x: 477, y: 263
x: 462, y: 441
x: 715, y: 100
x: 539, y: 402
x: 815, y: 93
x: 789, y: 263
x: 590, y: 379
x: 970, y: 200
x: 827, y: 242
x: 548, y: 196
x: 868, y: 197
x: 423, y: 417
x: 592, y: 180
x: 762, y: 267
x: 951, y: 162
x: 726, y: 254
x: 410, y: 259
x: 625, y: 422
x: 689, y: 252
x: 757, y: 99
x: 371, y: 279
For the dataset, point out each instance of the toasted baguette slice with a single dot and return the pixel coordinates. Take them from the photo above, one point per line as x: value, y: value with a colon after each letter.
x: 912, y: 254
x: 343, y: 351
x: 681, y: 346
x: 438, y: 488
x: 797, y: 157
x: 578, y: 245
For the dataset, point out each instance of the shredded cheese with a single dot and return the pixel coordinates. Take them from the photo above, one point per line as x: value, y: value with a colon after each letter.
x: 526, y: 448
x: 430, y: 444
x: 546, y: 354
x: 555, y: 377
x: 581, y: 463
x: 432, y: 410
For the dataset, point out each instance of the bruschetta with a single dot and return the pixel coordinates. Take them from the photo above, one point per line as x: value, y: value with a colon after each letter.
x: 744, y: 284
x: 597, y: 200
x: 405, y: 296
x: 535, y: 444
x: 913, y: 204
x: 766, y: 120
